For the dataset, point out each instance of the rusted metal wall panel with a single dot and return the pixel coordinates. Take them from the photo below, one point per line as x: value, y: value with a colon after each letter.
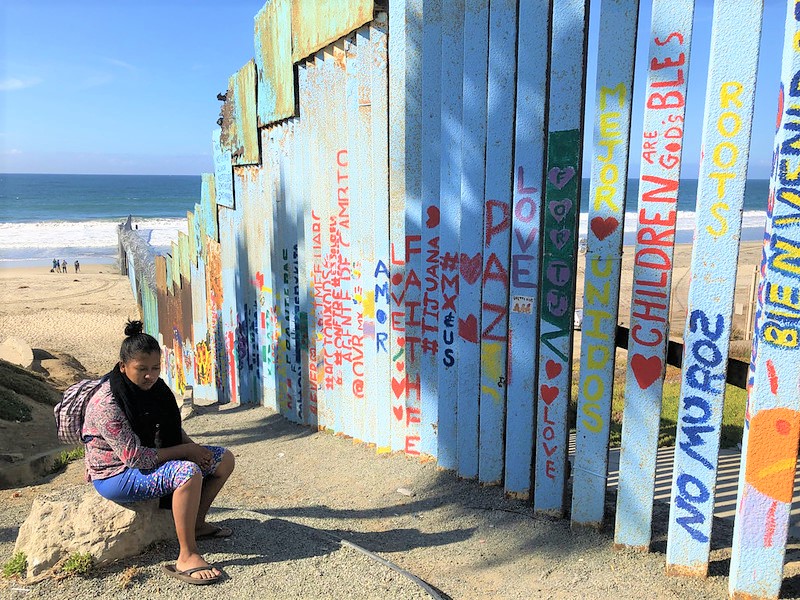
x: 228, y: 235
x: 317, y: 23
x: 214, y: 297
x: 772, y: 418
x: 670, y: 43
x: 730, y: 98
x: 451, y: 134
x: 497, y: 237
x: 239, y: 134
x: 185, y: 256
x: 533, y: 56
x: 607, y: 195
x: 274, y: 69
x: 473, y: 176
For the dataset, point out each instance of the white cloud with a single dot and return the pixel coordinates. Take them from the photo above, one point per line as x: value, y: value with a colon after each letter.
x: 121, y: 63
x: 10, y: 84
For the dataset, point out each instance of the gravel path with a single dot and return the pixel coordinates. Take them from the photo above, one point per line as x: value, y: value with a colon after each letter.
x: 290, y: 484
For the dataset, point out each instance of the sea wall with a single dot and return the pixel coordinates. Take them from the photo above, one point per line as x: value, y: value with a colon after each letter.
x: 388, y: 248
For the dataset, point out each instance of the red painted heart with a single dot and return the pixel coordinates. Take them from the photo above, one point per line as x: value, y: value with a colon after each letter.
x: 471, y: 267
x: 468, y: 329
x: 646, y: 370
x: 549, y: 393
x: 433, y: 217
x: 552, y: 368
x: 398, y: 412
x: 602, y: 228
x: 398, y: 387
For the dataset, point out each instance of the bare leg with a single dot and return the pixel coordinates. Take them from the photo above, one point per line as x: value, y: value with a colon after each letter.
x: 185, y: 501
x: 211, y: 487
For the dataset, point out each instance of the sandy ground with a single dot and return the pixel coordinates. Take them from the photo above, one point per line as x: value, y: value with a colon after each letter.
x: 467, y: 540
x: 80, y: 314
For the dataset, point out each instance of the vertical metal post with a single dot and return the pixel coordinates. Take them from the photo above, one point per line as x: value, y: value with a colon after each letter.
x: 452, y: 129
x: 559, y: 251
x: 379, y: 132
x: 533, y: 57
x: 670, y: 43
x: 430, y: 297
x: 473, y: 177
x: 772, y: 418
x: 497, y: 237
x: 607, y: 195
x: 730, y: 96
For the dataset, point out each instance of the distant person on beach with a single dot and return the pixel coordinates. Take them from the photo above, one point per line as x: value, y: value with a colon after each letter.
x: 77, y: 267
x: 64, y: 265
x: 137, y: 450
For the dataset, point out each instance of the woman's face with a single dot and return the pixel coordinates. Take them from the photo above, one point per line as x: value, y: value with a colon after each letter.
x: 143, y: 369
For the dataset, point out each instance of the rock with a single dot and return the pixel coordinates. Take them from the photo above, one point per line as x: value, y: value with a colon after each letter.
x: 78, y: 519
x: 406, y: 492
x: 16, y: 351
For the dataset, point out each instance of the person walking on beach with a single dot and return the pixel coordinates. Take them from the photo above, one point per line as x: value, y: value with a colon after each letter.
x: 137, y: 450
x: 63, y: 265
x: 77, y: 267
x: 55, y: 268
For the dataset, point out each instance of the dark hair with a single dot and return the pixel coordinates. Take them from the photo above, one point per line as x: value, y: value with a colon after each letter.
x: 137, y: 342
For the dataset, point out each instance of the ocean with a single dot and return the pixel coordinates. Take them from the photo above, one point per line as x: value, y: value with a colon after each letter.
x: 71, y: 217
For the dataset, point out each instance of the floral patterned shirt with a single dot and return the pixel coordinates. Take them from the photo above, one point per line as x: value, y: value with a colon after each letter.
x: 112, y: 445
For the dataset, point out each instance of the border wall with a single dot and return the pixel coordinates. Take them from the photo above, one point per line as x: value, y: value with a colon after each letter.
x: 387, y: 249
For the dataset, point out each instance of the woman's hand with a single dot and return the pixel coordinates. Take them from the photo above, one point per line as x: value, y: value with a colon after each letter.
x: 200, y: 455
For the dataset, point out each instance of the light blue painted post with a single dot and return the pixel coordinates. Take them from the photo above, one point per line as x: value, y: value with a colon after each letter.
x: 341, y: 259
x: 305, y: 262
x: 772, y: 418
x: 292, y: 298
x: 429, y: 258
x: 397, y: 204
x: 203, y: 212
x: 559, y: 251
x: 532, y: 72
x: 397, y: 229
x: 496, y: 237
x: 379, y: 198
x: 736, y: 32
x: 611, y: 143
x: 413, y: 225
x: 307, y: 76
x: 278, y: 261
x: 263, y: 284
x: 670, y: 43
x: 223, y: 171
x: 452, y: 128
x: 228, y: 236
x: 355, y: 53
x: 300, y: 177
x: 473, y: 177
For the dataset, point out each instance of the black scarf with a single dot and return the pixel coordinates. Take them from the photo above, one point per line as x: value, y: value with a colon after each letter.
x: 148, y: 411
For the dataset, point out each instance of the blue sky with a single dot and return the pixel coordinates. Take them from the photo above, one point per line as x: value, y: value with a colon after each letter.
x: 130, y: 86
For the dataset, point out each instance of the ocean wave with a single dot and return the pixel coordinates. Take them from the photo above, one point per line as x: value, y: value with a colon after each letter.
x: 83, y: 235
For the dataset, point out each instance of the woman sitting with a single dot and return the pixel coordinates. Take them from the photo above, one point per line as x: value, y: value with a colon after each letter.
x: 136, y: 450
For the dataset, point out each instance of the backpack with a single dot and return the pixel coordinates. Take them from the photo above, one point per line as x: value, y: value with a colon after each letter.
x: 70, y: 411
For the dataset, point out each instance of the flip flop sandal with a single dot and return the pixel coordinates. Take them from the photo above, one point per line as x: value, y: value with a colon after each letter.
x: 186, y: 576
x: 217, y: 532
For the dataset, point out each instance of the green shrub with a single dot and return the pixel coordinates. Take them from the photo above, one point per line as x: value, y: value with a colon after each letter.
x: 66, y: 457
x: 27, y: 384
x: 79, y: 563
x: 12, y: 408
x: 16, y: 566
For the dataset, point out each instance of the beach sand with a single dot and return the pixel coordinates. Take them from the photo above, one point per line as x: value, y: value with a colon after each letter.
x: 80, y: 314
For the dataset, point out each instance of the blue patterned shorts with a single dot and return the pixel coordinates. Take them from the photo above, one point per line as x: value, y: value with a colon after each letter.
x: 133, y: 485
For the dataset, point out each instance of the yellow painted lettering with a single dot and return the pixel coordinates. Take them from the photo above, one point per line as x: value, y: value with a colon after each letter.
x: 716, y: 209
